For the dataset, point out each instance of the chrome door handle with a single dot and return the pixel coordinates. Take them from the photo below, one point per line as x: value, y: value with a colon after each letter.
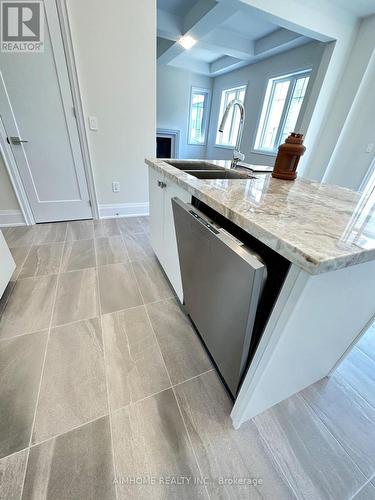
x: 16, y: 141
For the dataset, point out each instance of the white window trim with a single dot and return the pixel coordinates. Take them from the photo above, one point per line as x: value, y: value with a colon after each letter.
x: 237, y: 87
x: 279, y: 78
x: 206, y: 115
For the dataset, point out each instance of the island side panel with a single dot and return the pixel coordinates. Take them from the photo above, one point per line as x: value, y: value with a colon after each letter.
x: 7, y: 264
x: 315, y: 322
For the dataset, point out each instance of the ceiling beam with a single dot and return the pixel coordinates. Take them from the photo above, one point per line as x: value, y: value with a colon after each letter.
x: 224, y: 64
x: 276, y: 40
x: 169, y: 25
x: 204, y: 16
x: 229, y: 43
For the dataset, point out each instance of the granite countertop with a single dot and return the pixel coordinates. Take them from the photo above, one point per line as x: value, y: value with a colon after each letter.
x: 318, y: 227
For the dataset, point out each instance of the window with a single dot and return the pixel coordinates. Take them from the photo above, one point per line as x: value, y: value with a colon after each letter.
x: 229, y: 135
x: 198, y: 118
x: 281, y: 107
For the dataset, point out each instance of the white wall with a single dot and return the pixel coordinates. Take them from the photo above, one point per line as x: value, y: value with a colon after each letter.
x: 115, y: 45
x: 350, y: 161
x: 173, y: 104
x: 256, y: 77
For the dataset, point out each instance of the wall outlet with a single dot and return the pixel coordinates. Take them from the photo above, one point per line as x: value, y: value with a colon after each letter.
x: 115, y: 186
x: 93, y: 123
x: 369, y: 147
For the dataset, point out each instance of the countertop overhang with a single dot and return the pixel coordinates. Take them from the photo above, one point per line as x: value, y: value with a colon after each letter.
x: 319, y: 227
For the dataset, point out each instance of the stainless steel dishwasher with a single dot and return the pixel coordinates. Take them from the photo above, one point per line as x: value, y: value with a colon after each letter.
x: 222, y: 282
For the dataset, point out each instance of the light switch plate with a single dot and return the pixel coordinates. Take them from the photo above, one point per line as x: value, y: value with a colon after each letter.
x: 93, y: 123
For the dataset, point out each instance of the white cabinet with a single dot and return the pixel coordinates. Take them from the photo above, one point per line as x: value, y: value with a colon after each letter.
x: 7, y: 265
x: 163, y: 236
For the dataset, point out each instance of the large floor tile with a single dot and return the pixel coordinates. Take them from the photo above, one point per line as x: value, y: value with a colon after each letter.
x: 366, y: 493
x: 77, y: 297
x: 19, y: 255
x: 12, y: 471
x: 21, y: 362
x: 73, y: 389
x: 348, y: 416
x: 145, y: 223
x: 367, y: 343
x: 78, y: 255
x: 359, y: 371
x: 50, y: 233
x: 110, y: 251
x: 139, y: 246
x: 152, y: 282
x: 29, y: 307
x: 77, y: 465
x: 42, y: 260
x: 223, y: 452
x: 106, y: 228
x: 130, y: 225
x: 311, y: 459
x: 150, y: 441
x: 20, y: 236
x: 118, y: 288
x: 135, y: 367
x: 80, y: 230
x: 182, y: 350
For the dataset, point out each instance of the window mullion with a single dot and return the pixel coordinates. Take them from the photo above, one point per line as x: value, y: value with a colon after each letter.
x: 269, y: 106
x: 288, y: 99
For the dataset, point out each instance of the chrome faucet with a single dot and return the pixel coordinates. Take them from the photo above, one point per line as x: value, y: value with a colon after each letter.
x: 237, y: 155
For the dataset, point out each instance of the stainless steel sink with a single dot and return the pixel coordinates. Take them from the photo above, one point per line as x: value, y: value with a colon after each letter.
x: 196, y: 165
x: 219, y: 174
x: 207, y: 170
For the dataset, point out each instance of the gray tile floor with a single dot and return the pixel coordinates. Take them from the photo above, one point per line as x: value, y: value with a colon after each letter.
x: 106, y: 391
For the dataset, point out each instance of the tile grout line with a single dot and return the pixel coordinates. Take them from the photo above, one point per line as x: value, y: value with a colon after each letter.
x: 356, y: 390
x: 369, y: 481
x: 43, y: 367
x: 114, y: 468
x: 170, y: 381
x: 363, y: 352
x: 174, y: 394
x: 135, y: 402
x: 83, y: 319
x: 330, y: 433
x: 75, y: 428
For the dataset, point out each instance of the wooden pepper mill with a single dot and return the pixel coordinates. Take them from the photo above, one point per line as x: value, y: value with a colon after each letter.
x: 288, y: 157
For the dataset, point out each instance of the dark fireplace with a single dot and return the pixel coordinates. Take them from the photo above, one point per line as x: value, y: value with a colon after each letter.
x: 167, y: 142
x: 164, y: 147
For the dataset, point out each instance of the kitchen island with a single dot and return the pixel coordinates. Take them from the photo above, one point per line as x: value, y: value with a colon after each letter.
x: 326, y: 233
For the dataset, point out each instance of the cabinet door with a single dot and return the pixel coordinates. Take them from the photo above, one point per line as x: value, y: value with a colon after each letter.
x: 156, y: 197
x: 171, y: 262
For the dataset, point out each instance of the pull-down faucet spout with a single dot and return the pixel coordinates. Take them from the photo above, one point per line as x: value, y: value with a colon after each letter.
x: 237, y: 155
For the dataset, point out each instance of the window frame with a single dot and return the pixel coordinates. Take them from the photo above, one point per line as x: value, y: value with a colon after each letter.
x: 237, y: 88
x: 272, y: 80
x: 206, y: 114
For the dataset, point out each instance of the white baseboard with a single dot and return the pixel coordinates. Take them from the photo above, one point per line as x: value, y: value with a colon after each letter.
x: 123, y: 210
x: 11, y: 218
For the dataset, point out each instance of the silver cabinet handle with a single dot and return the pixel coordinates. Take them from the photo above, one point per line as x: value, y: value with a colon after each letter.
x: 162, y: 184
x: 16, y: 141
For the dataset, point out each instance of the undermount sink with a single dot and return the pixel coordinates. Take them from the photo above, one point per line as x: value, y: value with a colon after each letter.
x: 193, y: 165
x: 206, y: 170
x: 219, y: 174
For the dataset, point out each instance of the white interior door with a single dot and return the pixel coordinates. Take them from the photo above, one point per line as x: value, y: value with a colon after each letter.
x: 36, y: 106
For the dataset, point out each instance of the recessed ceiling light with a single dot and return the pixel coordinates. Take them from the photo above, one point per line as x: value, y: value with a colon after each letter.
x: 187, y: 42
